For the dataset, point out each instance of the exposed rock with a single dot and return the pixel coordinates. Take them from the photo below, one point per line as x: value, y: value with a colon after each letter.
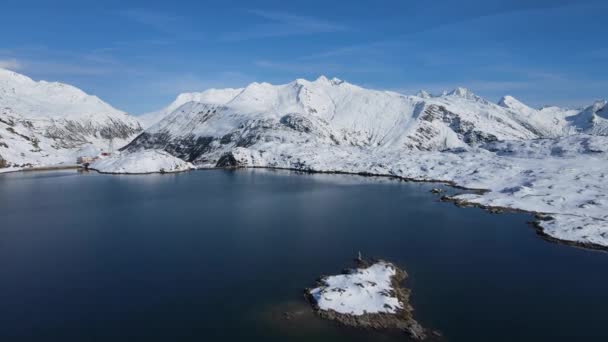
x: 227, y: 160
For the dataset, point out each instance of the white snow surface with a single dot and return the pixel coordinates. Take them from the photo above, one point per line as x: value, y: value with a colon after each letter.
x: 365, y: 290
x: 48, y: 99
x: 210, y: 96
x: 147, y: 161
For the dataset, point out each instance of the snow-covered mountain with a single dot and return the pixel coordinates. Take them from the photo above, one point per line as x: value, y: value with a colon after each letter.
x: 210, y: 96
x: 551, y: 161
x: 44, y: 123
x: 200, y: 127
x: 593, y: 120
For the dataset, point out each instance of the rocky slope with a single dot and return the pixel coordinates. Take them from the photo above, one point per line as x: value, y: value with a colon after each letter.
x: 44, y: 123
x: 336, y: 113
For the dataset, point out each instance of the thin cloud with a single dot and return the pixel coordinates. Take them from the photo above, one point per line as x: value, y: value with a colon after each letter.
x: 431, y: 26
x: 10, y: 64
x: 166, y: 23
x: 321, y: 68
x: 283, y: 24
x: 377, y: 47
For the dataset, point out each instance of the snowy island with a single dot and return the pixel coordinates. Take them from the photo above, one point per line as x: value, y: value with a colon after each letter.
x: 369, y: 296
x: 552, y: 161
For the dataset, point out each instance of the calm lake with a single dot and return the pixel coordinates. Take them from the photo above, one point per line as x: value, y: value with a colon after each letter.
x: 221, y: 255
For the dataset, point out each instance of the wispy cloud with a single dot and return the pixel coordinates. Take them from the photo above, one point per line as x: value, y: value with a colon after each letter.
x: 10, y: 64
x: 318, y: 68
x: 46, y: 62
x: 369, y: 48
x: 282, y: 24
x: 170, y: 84
x: 176, y: 26
x: 159, y: 20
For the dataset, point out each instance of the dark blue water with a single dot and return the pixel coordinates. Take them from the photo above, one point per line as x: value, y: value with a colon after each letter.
x: 220, y: 255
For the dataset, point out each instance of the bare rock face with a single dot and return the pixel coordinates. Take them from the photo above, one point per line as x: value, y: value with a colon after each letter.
x: 227, y: 160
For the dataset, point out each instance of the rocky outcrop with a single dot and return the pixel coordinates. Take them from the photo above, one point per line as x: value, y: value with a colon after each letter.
x: 465, y: 130
x: 228, y: 160
x: 400, y: 318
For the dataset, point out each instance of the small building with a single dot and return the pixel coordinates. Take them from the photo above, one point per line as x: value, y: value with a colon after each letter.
x: 85, y: 160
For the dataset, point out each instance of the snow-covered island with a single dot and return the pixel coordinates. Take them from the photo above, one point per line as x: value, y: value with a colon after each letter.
x: 550, y: 161
x: 369, y: 296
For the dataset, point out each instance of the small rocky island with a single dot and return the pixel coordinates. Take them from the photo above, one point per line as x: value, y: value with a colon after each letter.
x: 369, y: 296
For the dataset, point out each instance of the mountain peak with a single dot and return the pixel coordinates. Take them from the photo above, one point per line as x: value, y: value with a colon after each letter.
x: 13, y: 76
x: 462, y: 92
x: 509, y: 101
x: 324, y: 79
x: 598, y: 108
x: 423, y: 94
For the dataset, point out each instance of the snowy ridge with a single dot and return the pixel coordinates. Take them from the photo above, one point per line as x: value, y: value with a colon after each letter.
x: 351, y: 115
x: 44, y: 123
x: 211, y: 96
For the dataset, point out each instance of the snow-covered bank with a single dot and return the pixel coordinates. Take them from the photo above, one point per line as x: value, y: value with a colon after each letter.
x: 569, y: 187
x: 149, y: 161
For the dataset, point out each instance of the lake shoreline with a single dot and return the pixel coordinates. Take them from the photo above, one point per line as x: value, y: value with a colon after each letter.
x: 535, y: 224
x: 539, y: 216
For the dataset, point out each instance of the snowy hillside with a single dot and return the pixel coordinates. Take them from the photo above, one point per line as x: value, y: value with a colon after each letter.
x: 548, y: 160
x: 44, y: 123
x: 148, y: 161
x: 334, y: 113
x: 211, y: 96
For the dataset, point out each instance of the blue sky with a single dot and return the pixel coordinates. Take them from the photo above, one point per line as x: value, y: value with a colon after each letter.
x: 138, y: 55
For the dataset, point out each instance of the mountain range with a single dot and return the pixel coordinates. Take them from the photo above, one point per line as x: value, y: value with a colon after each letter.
x: 43, y: 123
x: 551, y: 161
x: 202, y: 127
